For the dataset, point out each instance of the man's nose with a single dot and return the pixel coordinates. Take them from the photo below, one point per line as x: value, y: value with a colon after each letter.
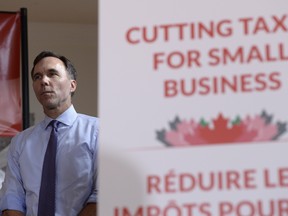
x: 44, y: 80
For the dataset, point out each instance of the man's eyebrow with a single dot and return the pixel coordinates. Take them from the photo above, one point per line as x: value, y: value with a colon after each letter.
x: 52, y: 70
x: 49, y: 70
x: 36, y: 73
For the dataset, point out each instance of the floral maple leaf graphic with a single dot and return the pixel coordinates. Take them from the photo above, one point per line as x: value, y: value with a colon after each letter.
x: 221, y: 130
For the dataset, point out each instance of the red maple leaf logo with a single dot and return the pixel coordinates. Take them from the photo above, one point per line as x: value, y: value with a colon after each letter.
x: 222, y: 132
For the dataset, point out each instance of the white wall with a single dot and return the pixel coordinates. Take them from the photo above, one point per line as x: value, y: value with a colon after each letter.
x: 79, y: 44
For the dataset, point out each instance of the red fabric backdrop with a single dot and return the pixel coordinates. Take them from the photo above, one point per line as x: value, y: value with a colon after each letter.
x: 10, y: 98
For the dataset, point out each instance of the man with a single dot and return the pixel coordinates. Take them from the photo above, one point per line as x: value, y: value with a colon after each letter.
x: 54, y: 83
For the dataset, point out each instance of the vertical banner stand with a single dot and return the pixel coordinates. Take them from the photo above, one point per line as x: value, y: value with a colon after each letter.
x: 25, y: 73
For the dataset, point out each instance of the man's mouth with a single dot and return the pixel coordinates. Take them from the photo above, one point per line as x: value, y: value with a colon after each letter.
x: 46, y: 92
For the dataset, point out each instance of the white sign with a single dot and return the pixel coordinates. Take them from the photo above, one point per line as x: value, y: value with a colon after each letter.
x: 193, y: 108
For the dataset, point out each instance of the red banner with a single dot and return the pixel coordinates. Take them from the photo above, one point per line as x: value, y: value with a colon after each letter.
x: 10, y: 99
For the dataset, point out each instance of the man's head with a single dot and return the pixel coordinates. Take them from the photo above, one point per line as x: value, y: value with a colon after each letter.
x: 69, y: 66
x: 54, y: 82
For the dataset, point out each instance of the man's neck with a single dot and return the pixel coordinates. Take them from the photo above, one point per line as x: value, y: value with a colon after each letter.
x: 54, y: 113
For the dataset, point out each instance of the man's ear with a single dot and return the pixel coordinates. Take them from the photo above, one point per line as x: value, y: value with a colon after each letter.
x: 73, y: 86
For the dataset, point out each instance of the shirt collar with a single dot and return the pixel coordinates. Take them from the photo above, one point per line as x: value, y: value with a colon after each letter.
x: 67, y: 117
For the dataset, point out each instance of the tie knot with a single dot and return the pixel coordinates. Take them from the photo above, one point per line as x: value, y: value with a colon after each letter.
x: 54, y: 124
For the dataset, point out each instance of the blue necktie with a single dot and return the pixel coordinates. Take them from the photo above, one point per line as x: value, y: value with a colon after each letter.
x: 46, y: 206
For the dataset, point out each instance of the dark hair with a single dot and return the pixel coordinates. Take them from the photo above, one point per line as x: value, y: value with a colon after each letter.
x: 69, y: 66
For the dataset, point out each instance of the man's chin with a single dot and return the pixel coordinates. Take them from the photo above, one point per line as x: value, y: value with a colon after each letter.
x: 49, y: 106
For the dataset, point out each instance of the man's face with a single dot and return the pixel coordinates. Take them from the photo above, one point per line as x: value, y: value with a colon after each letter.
x: 52, y: 84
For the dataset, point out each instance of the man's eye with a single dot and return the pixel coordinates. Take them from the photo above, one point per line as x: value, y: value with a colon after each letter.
x: 51, y: 74
x: 36, y: 77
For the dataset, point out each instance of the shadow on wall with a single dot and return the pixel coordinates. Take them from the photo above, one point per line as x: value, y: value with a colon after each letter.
x: 122, y: 184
